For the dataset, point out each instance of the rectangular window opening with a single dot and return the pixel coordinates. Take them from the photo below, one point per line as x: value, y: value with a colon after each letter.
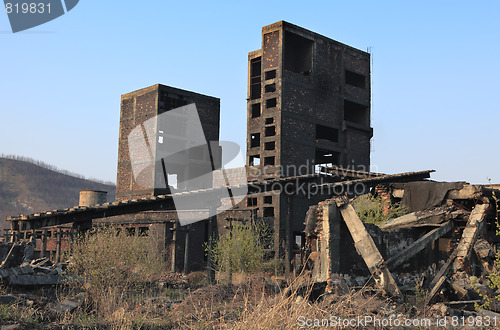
x: 254, y: 140
x: 269, y: 161
x: 356, y: 113
x: 130, y: 231
x: 255, y: 78
x: 270, y: 88
x: 254, y: 160
x: 271, y: 74
x: 172, y: 180
x: 143, y: 231
x: 269, y: 120
x: 255, y: 110
x: 355, y: 79
x: 271, y: 103
x: 268, y: 212
x: 251, y: 201
x: 270, y: 145
x: 270, y: 131
x: 326, y: 157
x: 298, y: 53
x: 325, y: 133
x: 299, y: 240
x: 268, y: 199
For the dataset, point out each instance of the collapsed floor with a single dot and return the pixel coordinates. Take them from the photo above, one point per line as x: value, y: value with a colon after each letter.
x: 445, y: 246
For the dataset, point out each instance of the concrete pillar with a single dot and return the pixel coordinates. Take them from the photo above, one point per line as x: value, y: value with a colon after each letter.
x: 44, y: 244
x: 174, y: 248
x: 186, y: 250
x: 288, y: 235
x: 58, y: 244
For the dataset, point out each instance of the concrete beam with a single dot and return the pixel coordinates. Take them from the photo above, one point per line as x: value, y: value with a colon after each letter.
x: 366, y: 247
x: 418, y: 245
x: 421, y: 218
x: 469, y: 235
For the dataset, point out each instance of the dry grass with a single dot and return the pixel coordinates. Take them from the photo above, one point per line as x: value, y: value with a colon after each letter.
x: 118, y: 274
x: 251, y: 306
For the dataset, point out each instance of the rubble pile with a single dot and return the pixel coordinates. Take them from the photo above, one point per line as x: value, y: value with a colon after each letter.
x: 444, y: 248
x: 20, y: 269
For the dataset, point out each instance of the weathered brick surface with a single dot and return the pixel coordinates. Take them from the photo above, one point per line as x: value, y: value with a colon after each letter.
x: 311, y: 90
x: 143, y: 104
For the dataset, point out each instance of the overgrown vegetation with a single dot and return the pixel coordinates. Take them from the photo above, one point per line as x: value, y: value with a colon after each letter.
x: 371, y: 209
x: 117, y: 273
x: 17, y: 312
x: 241, y: 248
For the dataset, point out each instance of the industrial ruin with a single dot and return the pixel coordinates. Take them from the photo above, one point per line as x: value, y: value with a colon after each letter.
x: 307, y: 157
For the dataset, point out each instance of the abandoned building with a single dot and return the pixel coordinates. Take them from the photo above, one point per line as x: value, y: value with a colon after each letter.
x: 147, y: 104
x: 308, y: 125
x: 442, y: 245
x: 308, y: 106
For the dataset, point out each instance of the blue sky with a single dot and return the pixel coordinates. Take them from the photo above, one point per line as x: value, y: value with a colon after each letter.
x: 435, y: 76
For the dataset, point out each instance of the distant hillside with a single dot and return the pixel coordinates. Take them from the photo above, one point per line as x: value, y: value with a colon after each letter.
x: 28, y: 186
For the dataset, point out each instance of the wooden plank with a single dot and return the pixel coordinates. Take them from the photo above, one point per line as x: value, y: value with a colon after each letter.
x: 366, y: 247
x: 444, y: 269
x: 418, y: 245
x: 435, y: 290
x: 440, y: 278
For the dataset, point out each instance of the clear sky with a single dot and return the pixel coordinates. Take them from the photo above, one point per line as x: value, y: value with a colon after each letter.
x: 435, y: 75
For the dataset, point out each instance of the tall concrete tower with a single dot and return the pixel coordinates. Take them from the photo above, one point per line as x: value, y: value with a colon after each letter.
x: 146, y: 106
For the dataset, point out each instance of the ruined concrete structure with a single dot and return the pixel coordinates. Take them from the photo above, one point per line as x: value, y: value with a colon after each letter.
x: 308, y: 101
x: 450, y: 231
x: 145, y: 104
x: 308, y: 109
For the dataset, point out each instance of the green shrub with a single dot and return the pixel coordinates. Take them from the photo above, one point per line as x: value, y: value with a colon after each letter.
x: 370, y: 209
x: 241, y: 249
